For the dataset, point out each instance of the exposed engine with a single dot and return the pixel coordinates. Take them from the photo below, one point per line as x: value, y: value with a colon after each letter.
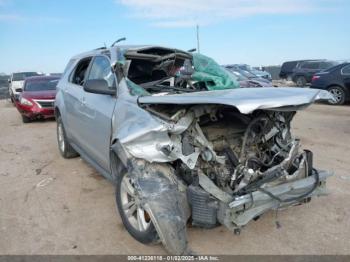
x: 236, y: 150
x: 240, y: 154
x: 248, y: 146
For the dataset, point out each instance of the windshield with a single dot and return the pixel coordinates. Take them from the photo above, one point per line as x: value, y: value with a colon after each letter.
x: 159, y: 70
x: 23, y: 75
x: 41, y: 85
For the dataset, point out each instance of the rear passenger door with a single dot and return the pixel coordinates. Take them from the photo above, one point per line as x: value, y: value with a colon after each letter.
x: 97, y: 114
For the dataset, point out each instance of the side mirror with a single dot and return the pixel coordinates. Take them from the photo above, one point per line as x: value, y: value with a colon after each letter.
x: 98, y: 86
x: 9, y: 80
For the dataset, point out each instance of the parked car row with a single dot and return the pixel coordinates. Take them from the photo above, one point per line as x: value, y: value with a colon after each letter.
x: 336, y: 80
x: 320, y: 74
x: 302, y: 71
x: 247, y: 79
x: 258, y: 73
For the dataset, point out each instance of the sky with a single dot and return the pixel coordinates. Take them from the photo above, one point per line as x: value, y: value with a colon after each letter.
x: 42, y: 35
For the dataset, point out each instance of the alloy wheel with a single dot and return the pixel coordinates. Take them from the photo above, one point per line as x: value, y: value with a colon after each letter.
x: 338, y: 95
x: 136, y: 215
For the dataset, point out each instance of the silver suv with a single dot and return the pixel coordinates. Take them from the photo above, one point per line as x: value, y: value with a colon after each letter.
x: 179, y: 139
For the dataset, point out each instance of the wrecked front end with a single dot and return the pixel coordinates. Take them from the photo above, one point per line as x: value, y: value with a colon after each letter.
x: 219, y: 157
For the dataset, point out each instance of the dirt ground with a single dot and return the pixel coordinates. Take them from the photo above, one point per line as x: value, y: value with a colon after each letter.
x: 49, y: 205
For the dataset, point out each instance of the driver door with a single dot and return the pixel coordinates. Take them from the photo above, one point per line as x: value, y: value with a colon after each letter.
x: 97, y: 114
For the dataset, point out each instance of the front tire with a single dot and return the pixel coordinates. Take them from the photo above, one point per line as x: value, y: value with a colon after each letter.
x: 66, y: 150
x: 25, y: 119
x: 339, y: 95
x: 135, y: 219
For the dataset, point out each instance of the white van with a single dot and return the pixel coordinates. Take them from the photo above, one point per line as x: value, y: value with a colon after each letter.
x: 16, y: 82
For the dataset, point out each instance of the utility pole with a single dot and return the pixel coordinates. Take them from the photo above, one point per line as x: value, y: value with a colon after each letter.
x: 197, y: 28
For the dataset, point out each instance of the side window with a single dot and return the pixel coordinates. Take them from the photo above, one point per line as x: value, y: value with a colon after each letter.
x: 101, y: 69
x: 304, y: 65
x: 346, y: 70
x: 78, y: 76
x: 310, y: 65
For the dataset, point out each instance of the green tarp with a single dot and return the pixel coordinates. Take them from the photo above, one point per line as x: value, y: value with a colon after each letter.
x: 210, y: 72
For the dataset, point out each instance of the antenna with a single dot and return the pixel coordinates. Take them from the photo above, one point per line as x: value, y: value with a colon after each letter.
x: 197, y: 28
x: 119, y: 40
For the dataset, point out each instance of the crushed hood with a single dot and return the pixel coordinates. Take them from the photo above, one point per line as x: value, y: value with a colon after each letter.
x: 246, y: 100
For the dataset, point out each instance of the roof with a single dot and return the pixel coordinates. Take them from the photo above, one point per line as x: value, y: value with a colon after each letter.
x: 120, y: 47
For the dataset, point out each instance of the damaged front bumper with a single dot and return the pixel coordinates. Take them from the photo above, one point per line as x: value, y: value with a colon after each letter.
x: 244, y: 208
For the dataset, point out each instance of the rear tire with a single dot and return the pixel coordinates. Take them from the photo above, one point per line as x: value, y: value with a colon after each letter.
x: 339, y: 95
x: 300, y: 81
x: 66, y: 150
x: 136, y: 221
x: 25, y: 119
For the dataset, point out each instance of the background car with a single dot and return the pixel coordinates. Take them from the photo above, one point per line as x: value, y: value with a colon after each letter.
x: 287, y: 68
x: 304, y: 71
x: 248, y: 74
x: 16, y: 82
x: 258, y: 73
x: 336, y: 80
x: 246, y: 82
x: 38, y: 97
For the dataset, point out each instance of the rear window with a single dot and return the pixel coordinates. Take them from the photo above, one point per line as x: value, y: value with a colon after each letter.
x: 23, y: 75
x: 41, y: 85
x: 310, y: 65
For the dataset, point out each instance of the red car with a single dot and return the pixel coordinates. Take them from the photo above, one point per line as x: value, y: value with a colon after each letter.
x: 38, y: 97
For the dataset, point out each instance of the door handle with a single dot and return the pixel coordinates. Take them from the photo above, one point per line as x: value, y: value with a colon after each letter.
x: 83, y: 101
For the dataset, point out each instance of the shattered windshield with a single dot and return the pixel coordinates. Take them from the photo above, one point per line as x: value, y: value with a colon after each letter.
x: 156, y: 70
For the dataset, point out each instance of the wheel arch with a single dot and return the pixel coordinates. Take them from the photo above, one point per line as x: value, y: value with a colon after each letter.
x: 118, y: 159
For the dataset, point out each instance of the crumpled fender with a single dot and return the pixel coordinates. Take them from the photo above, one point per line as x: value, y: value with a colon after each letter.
x: 163, y: 196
